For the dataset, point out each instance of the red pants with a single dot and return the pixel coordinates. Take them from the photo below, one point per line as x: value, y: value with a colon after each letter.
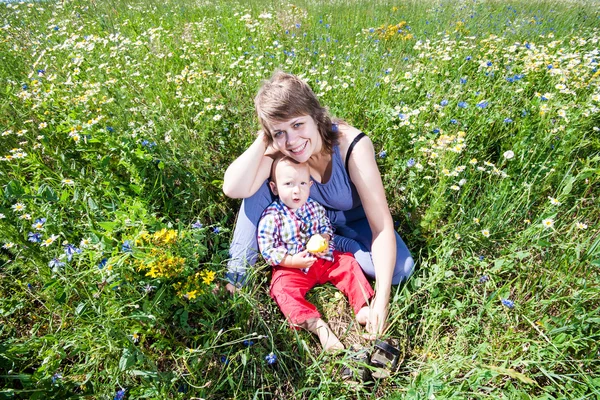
x: 290, y: 285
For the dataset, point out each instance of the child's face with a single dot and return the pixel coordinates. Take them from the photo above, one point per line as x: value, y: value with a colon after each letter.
x: 292, y: 184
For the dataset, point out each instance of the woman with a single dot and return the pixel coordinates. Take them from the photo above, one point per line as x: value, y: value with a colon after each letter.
x: 346, y: 181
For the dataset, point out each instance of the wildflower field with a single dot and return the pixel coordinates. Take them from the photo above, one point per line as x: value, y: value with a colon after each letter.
x: 119, y: 118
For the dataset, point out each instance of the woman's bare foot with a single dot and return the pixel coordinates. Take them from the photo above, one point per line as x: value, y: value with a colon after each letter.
x: 328, y: 340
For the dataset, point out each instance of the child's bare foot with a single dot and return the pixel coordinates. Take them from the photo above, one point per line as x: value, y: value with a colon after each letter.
x: 328, y: 340
x: 363, y: 316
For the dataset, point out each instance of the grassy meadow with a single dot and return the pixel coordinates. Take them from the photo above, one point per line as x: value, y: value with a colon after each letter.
x: 119, y: 118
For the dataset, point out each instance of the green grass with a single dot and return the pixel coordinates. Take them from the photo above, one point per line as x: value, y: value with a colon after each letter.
x: 123, y: 116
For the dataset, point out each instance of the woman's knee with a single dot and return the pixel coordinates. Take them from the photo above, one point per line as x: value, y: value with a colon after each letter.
x: 405, y: 263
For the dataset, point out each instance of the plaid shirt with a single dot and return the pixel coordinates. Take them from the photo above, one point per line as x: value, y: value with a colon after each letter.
x: 282, y: 231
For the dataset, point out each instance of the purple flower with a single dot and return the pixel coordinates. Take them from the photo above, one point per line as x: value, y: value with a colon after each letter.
x: 444, y: 103
x: 482, y: 104
x: 507, y: 120
x: 126, y: 246
x: 382, y: 154
x: 463, y: 104
x: 484, y: 279
x: 55, y: 263
x: 70, y: 250
x: 34, y: 237
x: 120, y: 394
x: 216, y: 229
x: 197, y: 225
x: 248, y: 342
x: 271, y: 358
x: 508, y: 303
x: 411, y: 163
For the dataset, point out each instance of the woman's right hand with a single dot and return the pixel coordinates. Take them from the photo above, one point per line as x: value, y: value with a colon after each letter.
x: 250, y: 170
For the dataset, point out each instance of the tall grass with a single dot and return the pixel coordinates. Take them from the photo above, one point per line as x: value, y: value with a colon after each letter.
x: 118, y: 120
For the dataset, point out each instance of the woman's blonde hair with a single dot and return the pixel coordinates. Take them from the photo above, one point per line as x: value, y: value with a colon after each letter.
x: 286, y: 96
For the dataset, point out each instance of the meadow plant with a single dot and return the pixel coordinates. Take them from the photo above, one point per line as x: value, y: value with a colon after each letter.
x: 118, y: 119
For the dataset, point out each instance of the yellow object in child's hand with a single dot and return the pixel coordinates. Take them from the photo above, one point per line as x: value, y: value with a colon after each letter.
x: 317, y: 244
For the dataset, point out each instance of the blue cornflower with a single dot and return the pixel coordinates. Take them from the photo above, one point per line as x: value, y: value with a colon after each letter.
x: 24, y: 87
x: 55, y: 263
x: 271, y: 358
x: 444, y: 103
x: 224, y: 360
x: 402, y: 116
x: 382, y: 154
x: 463, y: 81
x: 40, y: 221
x: 70, y: 250
x: 481, y: 258
x: 453, y: 121
x: 462, y: 104
x: 436, y: 130
x: 527, y: 46
x: 120, y: 394
x: 508, y: 303
x: 524, y: 113
x: 56, y: 28
x: 489, y: 63
x: 468, y: 58
x: 126, y: 246
x: 197, y: 225
x: 102, y: 263
x: 216, y: 229
x: 56, y: 377
x: 34, y: 237
x: 483, y: 104
x: 371, y: 30
x: 110, y: 129
x: 298, y: 25
x: 484, y: 279
x: 507, y: 120
x: 549, y: 66
x: 510, y: 79
x: 411, y: 163
x: 248, y: 342
x: 543, y: 98
x: 41, y: 71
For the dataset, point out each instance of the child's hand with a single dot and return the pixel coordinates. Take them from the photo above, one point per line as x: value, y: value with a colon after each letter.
x: 303, y: 260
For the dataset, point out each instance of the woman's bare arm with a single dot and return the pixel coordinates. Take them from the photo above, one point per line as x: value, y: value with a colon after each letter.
x: 249, y: 171
x: 367, y: 179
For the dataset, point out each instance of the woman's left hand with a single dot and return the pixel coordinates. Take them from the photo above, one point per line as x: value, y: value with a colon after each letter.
x: 376, y: 323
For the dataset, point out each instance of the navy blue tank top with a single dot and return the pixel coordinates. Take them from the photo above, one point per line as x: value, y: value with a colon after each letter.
x: 338, y: 193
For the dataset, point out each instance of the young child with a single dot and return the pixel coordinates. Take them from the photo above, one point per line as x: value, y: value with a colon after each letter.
x: 283, y: 232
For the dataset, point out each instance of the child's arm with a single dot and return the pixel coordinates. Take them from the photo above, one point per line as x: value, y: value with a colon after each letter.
x: 325, y: 229
x: 270, y: 244
x: 299, y: 260
x: 273, y: 248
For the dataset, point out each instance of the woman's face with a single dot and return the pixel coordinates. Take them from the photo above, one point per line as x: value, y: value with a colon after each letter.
x: 297, y: 138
